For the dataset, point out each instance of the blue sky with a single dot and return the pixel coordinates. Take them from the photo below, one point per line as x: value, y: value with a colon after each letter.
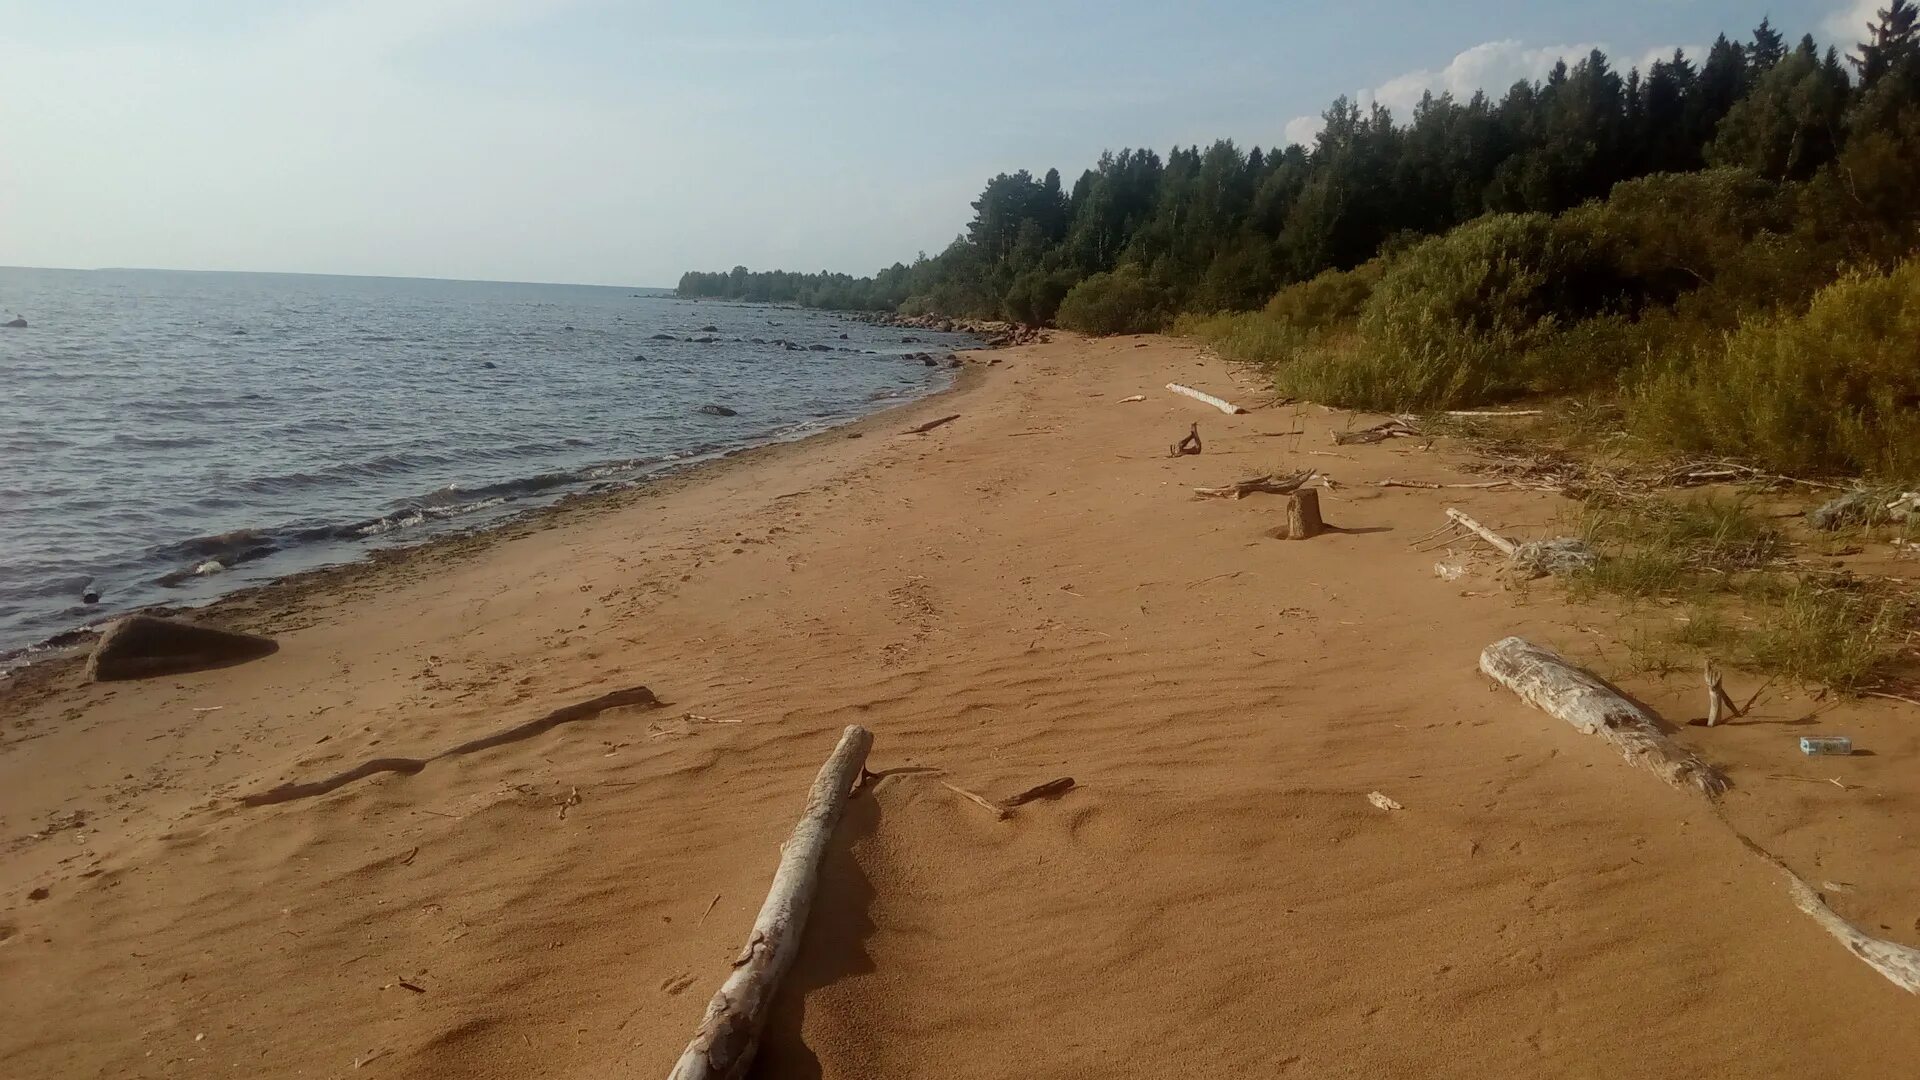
x: 622, y: 142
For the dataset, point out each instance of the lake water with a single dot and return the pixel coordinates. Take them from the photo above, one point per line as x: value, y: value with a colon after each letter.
x: 245, y: 426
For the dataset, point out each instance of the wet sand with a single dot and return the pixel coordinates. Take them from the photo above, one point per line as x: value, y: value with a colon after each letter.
x: 1028, y: 592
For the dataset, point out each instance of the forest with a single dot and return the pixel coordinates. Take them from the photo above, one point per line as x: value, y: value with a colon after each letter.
x: 1723, y: 243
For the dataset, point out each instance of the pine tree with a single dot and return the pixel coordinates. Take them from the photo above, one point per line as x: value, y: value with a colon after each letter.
x: 1892, y: 40
x: 1768, y: 48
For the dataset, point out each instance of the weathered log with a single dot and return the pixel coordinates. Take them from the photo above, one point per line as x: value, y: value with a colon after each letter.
x: 1500, y: 543
x: 1264, y: 484
x: 1430, y: 485
x: 1547, y: 681
x: 1494, y: 414
x: 1381, y: 432
x: 1899, y: 963
x: 1227, y: 407
x: 1303, y: 515
x: 730, y: 1033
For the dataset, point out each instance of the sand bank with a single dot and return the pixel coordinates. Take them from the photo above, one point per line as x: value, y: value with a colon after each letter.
x: 1028, y: 592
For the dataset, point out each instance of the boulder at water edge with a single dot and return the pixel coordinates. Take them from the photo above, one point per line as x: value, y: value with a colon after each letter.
x: 141, y: 646
x: 718, y: 410
x: 17, y: 324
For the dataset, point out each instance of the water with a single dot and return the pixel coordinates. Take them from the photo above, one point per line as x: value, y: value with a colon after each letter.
x: 156, y: 423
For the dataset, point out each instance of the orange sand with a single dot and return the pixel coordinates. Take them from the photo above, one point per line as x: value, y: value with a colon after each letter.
x: 1026, y: 593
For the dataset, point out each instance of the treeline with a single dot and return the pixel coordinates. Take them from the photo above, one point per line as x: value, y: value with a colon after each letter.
x: 1221, y: 228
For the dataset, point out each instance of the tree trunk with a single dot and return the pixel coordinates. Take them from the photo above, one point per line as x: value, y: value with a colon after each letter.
x: 1545, y: 680
x: 723, y: 1047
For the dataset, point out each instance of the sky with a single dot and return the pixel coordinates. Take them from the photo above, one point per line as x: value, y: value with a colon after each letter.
x: 623, y: 141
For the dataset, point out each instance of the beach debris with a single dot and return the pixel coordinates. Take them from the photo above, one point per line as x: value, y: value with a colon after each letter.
x: 141, y: 646
x: 1383, y: 802
x: 1432, y: 486
x: 1562, y: 555
x: 572, y: 800
x: 718, y: 410
x: 90, y: 595
x: 1004, y: 807
x: 716, y: 896
x: 931, y: 424
x: 1549, y: 682
x: 1717, y: 700
x: 1826, y: 745
x: 1494, y: 414
x: 635, y: 696
x: 1447, y: 571
x: 1188, y: 445
x: 1900, y: 964
x: 1535, y: 558
x: 405, y: 985
x: 1136, y: 397
x: 1303, y: 517
x: 1227, y: 407
x: 1400, y: 427
x: 1264, y: 484
x: 728, y: 1035
x: 1863, y: 507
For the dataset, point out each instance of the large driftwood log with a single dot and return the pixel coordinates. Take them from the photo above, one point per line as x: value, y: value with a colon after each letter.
x: 1396, y: 428
x: 723, y: 1047
x: 1547, y: 681
x: 1227, y: 407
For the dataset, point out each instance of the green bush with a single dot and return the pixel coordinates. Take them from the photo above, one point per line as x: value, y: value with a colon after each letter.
x: 1836, y: 390
x: 1120, y: 302
x: 1457, y: 319
x: 1328, y: 299
x: 1035, y: 295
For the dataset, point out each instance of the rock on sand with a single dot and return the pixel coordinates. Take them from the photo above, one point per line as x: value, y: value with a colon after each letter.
x: 141, y: 646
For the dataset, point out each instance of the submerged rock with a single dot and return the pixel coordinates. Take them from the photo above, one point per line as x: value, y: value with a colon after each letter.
x: 141, y: 646
x: 17, y: 323
x: 709, y: 329
x: 718, y: 410
x: 663, y: 337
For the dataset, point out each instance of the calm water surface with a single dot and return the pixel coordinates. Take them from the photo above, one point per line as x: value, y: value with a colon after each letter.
x: 165, y: 437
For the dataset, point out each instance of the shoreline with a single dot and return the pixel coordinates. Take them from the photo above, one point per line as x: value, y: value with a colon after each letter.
x: 1030, y: 592
x: 66, y: 645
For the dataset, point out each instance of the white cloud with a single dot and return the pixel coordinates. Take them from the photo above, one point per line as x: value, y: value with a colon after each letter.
x: 1492, y: 66
x: 1663, y: 53
x: 1848, y: 25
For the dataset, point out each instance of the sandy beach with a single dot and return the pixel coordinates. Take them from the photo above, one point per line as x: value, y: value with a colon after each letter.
x: 1028, y: 592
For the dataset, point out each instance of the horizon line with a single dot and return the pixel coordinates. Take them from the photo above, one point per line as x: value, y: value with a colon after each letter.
x: 331, y: 274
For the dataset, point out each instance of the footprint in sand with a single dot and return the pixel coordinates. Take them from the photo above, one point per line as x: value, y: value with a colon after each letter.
x: 677, y: 984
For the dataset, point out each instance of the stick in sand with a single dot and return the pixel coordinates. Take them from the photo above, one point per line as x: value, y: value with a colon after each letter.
x: 1227, y: 407
x: 723, y: 1047
x: 930, y: 425
x: 1500, y: 543
x: 1545, y: 680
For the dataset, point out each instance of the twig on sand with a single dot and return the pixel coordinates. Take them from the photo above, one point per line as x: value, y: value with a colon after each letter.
x: 1008, y: 805
x: 1188, y: 445
x: 1890, y: 697
x: 1432, y: 486
x: 930, y: 425
x: 1397, y: 428
x: 1499, y: 543
x: 1494, y: 414
x: 709, y: 911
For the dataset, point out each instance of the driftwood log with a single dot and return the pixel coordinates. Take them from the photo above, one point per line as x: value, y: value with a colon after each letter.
x: 1264, y: 484
x: 723, y: 1047
x: 1227, y: 407
x: 1899, y: 963
x: 1389, y: 429
x: 1548, y: 682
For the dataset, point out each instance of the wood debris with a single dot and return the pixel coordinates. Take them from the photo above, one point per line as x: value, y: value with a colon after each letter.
x: 930, y: 425
x: 1396, y: 428
x: 1227, y: 407
x: 1264, y: 484
x: 1383, y: 802
x: 1188, y: 445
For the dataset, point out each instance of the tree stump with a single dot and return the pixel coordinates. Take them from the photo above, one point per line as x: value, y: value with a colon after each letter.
x: 1303, y: 516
